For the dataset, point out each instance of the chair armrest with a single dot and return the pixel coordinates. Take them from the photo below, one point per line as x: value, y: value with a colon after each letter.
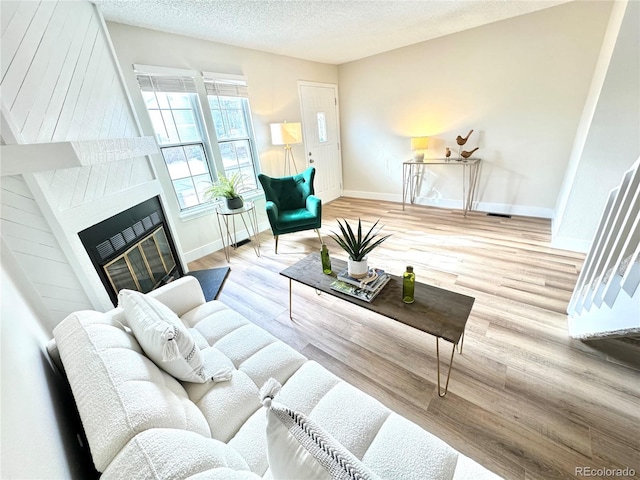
x: 180, y: 295
x: 272, y: 214
x: 314, y: 205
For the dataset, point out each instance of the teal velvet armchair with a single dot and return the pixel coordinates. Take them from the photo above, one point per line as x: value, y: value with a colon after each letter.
x: 291, y: 203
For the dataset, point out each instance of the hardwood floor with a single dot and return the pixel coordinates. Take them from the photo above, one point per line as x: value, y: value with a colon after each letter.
x: 525, y: 400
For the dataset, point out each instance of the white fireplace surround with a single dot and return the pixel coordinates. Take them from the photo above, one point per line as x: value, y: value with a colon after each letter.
x: 50, y: 170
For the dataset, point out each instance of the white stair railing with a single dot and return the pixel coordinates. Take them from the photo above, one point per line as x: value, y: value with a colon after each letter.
x: 613, y: 262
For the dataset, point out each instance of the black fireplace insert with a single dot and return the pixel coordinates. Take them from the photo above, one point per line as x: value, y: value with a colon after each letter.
x: 133, y: 249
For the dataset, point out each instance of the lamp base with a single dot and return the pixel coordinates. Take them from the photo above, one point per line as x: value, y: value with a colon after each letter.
x: 418, y: 157
x: 288, y: 160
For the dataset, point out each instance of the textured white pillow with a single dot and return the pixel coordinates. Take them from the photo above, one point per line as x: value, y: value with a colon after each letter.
x: 163, y: 336
x: 299, y: 448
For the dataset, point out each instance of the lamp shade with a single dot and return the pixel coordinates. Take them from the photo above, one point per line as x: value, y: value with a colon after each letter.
x: 419, y: 143
x: 286, y: 133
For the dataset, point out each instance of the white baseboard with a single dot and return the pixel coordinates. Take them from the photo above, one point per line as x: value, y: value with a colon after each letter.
x: 216, y: 245
x: 501, y: 208
x: 387, y: 197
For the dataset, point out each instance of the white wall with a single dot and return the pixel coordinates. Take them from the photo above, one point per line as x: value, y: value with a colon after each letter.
x: 520, y: 84
x: 609, y: 140
x: 273, y: 94
x: 37, y: 440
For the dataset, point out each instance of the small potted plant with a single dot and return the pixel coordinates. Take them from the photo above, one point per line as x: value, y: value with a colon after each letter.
x: 227, y: 188
x: 358, y: 246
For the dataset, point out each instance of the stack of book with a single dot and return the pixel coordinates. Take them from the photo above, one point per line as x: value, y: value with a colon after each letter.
x: 364, y: 288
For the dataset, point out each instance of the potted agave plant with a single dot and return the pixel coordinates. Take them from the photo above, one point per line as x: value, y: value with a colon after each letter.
x: 227, y: 188
x: 358, y: 246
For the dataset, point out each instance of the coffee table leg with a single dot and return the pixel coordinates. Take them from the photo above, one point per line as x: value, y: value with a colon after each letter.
x: 461, y: 342
x: 290, y: 311
x: 446, y: 386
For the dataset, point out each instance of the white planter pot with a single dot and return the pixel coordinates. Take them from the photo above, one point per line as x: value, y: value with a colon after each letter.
x: 357, y: 269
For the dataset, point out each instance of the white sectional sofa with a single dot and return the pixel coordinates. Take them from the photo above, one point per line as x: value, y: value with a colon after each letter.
x: 141, y: 422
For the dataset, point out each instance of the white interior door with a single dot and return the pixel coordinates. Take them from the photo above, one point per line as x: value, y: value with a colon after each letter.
x: 319, y: 103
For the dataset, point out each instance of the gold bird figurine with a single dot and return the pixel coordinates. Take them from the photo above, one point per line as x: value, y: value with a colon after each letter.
x: 461, y: 141
x: 466, y: 154
x: 447, y: 152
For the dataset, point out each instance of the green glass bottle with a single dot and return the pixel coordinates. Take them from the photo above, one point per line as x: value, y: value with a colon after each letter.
x: 326, y: 260
x: 408, y: 285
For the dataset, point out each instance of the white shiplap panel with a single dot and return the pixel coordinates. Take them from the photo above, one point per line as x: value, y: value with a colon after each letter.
x: 7, y: 11
x: 62, y: 301
x: 21, y: 62
x: 111, y: 107
x: 36, y: 114
x: 142, y: 170
x: 127, y: 175
x: 119, y: 125
x: 29, y: 237
x: 19, y: 230
x: 119, y: 109
x: 83, y: 16
x: 91, y: 78
x: 73, y: 187
x: 99, y: 107
x: 37, y: 269
x: 67, y: 177
x: 102, y: 174
x: 73, y: 92
x: 31, y: 246
x: 15, y: 184
x: 80, y: 186
x: 14, y: 31
x: 92, y: 181
x: 18, y: 215
x: 131, y: 129
x: 47, y: 176
x: 35, y: 77
x: 59, y: 183
x: 114, y: 178
x: 19, y: 201
x: 60, y: 292
x: 96, y: 110
x: 60, y: 309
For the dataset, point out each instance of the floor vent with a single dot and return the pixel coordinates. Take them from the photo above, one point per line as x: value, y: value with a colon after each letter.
x: 501, y: 215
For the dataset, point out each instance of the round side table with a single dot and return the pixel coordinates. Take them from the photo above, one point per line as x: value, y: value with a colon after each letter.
x: 229, y: 234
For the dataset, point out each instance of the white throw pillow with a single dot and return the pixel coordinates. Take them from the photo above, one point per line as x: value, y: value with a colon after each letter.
x: 163, y: 336
x: 298, y: 448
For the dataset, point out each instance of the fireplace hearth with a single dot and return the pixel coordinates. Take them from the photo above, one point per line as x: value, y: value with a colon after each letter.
x: 133, y: 249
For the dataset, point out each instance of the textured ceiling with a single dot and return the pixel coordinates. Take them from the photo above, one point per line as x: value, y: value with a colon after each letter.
x: 329, y: 31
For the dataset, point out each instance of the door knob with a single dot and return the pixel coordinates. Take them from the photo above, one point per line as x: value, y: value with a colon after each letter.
x: 311, y: 160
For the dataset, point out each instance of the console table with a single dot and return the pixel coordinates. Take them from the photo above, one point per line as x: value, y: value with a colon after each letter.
x: 412, y: 171
x: 435, y: 311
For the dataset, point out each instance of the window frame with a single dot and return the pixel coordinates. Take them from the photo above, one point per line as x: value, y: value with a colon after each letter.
x: 203, y: 117
x: 242, y: 83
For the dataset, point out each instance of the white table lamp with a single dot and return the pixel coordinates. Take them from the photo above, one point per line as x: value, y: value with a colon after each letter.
x: 419, y: 145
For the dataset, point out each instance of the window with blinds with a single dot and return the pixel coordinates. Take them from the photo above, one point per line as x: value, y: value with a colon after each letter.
x: 229, y: 106
x: 178, y: 119
x: 171, y: 102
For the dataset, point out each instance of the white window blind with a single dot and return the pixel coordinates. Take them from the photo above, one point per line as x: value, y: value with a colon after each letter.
x: 166, y: 83
x: 225, y: 87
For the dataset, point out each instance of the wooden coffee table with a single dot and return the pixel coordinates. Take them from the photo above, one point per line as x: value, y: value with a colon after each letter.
x: 436, y: 311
